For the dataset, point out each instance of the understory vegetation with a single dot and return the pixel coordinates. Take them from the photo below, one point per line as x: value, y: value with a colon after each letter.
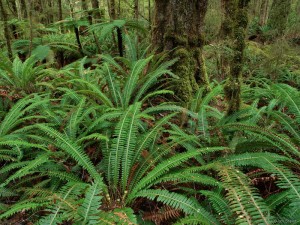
x: 97, y: 134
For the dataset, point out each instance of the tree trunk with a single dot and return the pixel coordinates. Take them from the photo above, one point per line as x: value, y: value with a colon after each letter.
x: 24, y: 8
x: 264, y: 11
x: 6, y: 30
x: 60, y: 18
x: 60, y: 12
x: 96, y: 10
x: 15, y: 13
x: 136, y: 9
x: 239, y: 24
x: 257, y: 8
x: 87, y: 14
x: 149, y: 10
x: 279, y: 15
x: 90, y: 18
x: 113, y: 16
x: 29, y: 16
x: 76, y: 30
x: 229, y: 7
x: 112, y: 9
x: 50, y: 15
x: 178, y: 26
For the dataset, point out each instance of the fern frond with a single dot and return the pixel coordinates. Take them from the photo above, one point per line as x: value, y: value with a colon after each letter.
x: 22, y: 207
x: 220, y: 205
x: 4, y: 192
x: 56, y: 212
x: 89, y: 210
x: 72, y: 127
x: 178, y: 201
x: 164, y: 167
x: 148, y: 137
x: 75, y: 151
x: 283, y: 144
x: 113, y: 85
x: 244, y: 200
x: 27, y: 169
x: 92, y: 90
x: 132, y: 80
x: 290, y: 97
x: 123, y: 146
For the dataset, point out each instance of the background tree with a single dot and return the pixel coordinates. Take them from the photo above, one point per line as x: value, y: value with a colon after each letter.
x: 264, y: 12
x: 237, y: 19
x: 178, y: 27
x: 6, y: 29
x: 136, y: 9
x: 279, y: 16
x: 96, y: 10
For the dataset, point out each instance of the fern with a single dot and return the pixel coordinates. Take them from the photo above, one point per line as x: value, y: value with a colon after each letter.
x: 178, y: 201
x: 164, y: 167
x: 123, y: 146
x: 57, y: 214
x: 244, y: 201
x: 27, y: 169
x: 22, y: 207
x: 220, y: 205
x: 289, y: 96
x: 75, y: 151
x: 283, y: 144
x: 89, y: 210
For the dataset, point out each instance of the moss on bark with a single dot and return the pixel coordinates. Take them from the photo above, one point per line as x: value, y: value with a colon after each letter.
x: 279, y: 15
x: 239, y: 22
x: 178, y: 28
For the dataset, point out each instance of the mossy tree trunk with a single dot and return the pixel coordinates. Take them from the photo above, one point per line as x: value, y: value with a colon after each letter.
x: 23, y: 8
x: 264, y: 13
x: 178, y: 26
x: 279, y: 15
x: 60, y: 18
x: 6, y: 29
x: 87, y: 13
x: 14, y: 10
x: 239, y: 20
x: 112, y: 9
x: 149, y: 11
x: 113, y: 16
x: 136, y: 9
x: 96, y: 10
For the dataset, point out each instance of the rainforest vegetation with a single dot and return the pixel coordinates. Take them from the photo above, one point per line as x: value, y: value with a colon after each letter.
x: 153, y: 112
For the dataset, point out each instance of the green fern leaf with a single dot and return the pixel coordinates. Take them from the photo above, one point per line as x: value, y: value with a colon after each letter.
x: 75, y: 151
x: 89, y: 210
x: 178, y: 201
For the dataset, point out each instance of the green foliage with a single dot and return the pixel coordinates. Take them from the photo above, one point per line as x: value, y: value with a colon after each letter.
x: 98, y: 140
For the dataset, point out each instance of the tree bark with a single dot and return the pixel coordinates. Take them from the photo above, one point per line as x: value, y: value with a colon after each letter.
x: 29, y: 16
x: 60, y: 18
x: 113, y: 16
x: 279, y: 15
x: 96, y: 10
x: 14, y: 9
x: 178, y: 26
x: 136, y: 9
x: 149, y: 11
x: 50, y: 15
x: 6, y: 30
x: 264, y: 12
x: 239, y: 22
x: 112, y: 9
x: 24, y: 8
x: 86, y: 13
x: 60, y: 12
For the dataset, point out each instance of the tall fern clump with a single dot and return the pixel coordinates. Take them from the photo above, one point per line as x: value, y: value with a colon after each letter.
x: 277, y: 151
